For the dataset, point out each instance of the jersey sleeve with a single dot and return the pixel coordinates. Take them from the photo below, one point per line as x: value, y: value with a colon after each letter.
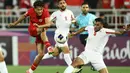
x: 27, y: 13
x: 109, y: 32
x: 89, y: 29
x: 72, y: 16
x: 53, y: 16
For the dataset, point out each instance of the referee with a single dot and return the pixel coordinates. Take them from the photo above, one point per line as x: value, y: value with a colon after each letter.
x: 84, y: 19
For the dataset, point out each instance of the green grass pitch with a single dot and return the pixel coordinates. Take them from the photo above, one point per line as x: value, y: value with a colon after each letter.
x: 60, y: 69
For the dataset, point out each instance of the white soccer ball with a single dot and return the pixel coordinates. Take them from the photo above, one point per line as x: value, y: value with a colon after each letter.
x: 61, y: 38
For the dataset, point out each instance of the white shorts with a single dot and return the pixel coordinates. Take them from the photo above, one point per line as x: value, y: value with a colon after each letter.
x: 96, y: 59
x: 60, y: 44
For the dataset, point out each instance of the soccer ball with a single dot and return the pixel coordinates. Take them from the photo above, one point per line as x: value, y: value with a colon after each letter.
x: 61, y: 38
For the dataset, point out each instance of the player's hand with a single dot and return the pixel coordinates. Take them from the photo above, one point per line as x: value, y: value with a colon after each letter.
x: 35, y: 24
x: 71, y: 34
x: 39, y: 26
x: 11, y: 25
x: 73, y: 21
x: 127, y: 27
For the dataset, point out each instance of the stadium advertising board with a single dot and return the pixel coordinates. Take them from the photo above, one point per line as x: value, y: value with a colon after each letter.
x: 6, y: 46
x: 116, y: 53
x: 9, y: 46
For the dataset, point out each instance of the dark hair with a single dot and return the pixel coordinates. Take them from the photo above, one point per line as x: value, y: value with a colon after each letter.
x: 38, y: 3
x: 60, y: 0
x: 102, y: 21
x: 85, y: 3
x: 101, y: 14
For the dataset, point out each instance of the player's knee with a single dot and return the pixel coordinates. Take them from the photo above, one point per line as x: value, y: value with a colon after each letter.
x: 77, y: 62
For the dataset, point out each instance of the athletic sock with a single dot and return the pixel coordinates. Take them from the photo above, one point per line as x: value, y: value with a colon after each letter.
x: 3, y: 67
x: 69, y: 69
x: 47, y: 44
x: 67, y: 59
x: 33, y: 67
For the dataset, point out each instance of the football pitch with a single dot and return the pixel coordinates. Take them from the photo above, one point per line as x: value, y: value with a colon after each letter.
x: 60, y: 69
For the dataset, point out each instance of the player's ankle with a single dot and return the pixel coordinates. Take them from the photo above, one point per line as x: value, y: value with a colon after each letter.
x: 50, y: 50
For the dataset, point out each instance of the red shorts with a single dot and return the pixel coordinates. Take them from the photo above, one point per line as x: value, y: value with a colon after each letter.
x: 33, y: 32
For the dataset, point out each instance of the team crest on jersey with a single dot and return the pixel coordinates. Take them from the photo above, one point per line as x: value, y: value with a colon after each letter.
x: 40, y: 20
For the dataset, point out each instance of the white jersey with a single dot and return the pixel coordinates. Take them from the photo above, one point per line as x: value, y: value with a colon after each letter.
x: 96, y: 41
x: 63, y: 20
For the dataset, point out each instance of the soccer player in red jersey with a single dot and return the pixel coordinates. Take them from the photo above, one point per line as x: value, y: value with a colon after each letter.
x: 38, y: 16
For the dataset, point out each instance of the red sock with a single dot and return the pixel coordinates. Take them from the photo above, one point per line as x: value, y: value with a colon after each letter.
x: 34, y: 66
x: 47, y: 44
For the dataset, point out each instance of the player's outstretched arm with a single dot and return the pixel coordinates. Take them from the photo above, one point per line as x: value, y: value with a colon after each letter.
x: 79, y: 31
x: 18, y: 21
x: 126, y: 28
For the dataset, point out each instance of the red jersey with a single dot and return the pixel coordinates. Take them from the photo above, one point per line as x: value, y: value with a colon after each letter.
x: 40, y: 20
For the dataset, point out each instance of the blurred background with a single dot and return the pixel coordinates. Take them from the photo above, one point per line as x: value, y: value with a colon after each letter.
x: 19, y: 48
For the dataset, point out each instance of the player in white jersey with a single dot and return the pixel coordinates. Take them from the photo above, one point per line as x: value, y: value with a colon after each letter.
x: 3, y: 68
x: 62, y: 19
x: 97, y: 39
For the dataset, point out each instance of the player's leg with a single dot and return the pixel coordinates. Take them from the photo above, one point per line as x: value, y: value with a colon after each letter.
x: 56, y: 53
x: 46, y: 42
x: 66, y: 52
x: 104, y: 70
x: 38, y: 58
x: 98, y: 63
x: 3, y: 68
x: 72, y: 68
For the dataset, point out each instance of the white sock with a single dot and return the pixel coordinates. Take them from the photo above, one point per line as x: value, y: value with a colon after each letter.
x: 30, y: 70
x: 46, y: 56
x: 3, y: 67
x: 67, y: 59
x: 69, y: 69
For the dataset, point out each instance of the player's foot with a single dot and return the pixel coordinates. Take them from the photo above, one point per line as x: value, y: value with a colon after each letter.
x: 80, y: 71
x: 50, y: 50
x: 27, y: 71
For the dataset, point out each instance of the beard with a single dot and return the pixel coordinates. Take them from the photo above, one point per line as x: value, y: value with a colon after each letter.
x: 85, y: 13
x: 63, y: 8
x: 97, y: 29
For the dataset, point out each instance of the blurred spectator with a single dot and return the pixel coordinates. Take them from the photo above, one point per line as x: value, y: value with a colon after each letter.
x: 1, y: 4
x: 127, y: 4
x: 108, y: 4
x: 116, y: 4
x: 51, y: 4
x: 102, y: 15
x: 74, y: 2
x: 92, y: 3
x: 24, y: 5
x: 74, y: 5
x: 99, y: 4
x: 8, y: 4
